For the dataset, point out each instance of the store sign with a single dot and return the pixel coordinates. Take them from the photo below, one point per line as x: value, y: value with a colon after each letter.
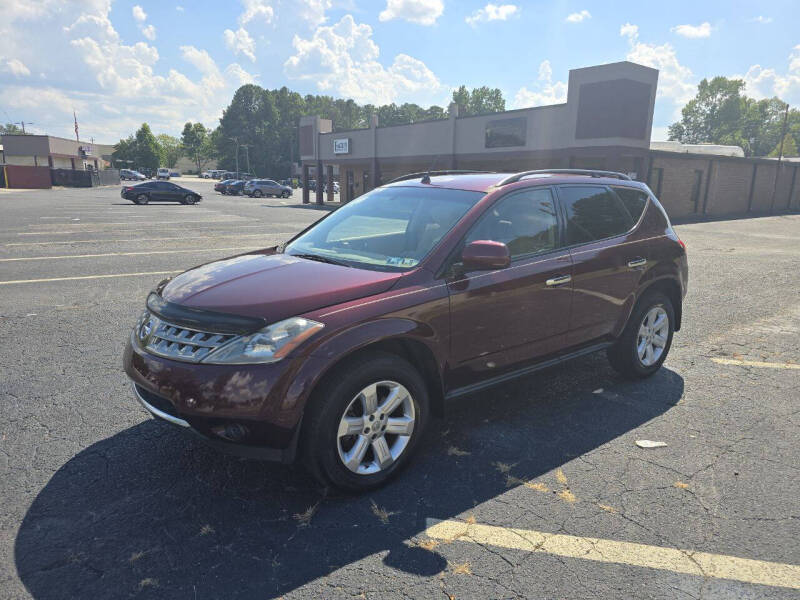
x: 341, y: 146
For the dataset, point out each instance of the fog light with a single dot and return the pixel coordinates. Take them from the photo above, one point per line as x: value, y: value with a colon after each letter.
x: 233, y: 432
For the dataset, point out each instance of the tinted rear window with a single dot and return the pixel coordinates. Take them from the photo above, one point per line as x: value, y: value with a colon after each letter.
x: 593, y: 213
x: 633, y: 199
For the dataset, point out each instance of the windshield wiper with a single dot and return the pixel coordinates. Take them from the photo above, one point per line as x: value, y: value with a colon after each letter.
x: 320, y: 258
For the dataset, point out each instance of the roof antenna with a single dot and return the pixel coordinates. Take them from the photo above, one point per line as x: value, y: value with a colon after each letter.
x: 427, y: 177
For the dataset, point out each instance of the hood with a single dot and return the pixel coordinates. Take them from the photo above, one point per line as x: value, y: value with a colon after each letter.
x: 273, y: 286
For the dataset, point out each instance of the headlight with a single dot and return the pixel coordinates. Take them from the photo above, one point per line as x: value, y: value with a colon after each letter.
x: 268, y: 345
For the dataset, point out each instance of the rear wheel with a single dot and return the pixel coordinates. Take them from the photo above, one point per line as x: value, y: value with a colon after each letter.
x: 142, y: 199
x: 644, y: 344
x: 363, y: 423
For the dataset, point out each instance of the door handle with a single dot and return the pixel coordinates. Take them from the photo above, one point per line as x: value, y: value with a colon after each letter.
x: 637, y: 262
x: 560, y: 280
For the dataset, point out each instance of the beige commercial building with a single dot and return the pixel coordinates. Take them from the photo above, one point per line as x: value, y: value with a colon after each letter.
x: 605, y: 123
x: 55, y: 152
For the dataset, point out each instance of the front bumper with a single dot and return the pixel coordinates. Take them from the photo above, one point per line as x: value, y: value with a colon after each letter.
x: 266, y: 401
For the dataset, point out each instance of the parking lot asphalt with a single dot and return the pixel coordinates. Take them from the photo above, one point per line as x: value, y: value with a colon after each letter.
x: 535, y: 489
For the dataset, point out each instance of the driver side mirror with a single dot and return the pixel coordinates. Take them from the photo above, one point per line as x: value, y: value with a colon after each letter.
x: 485, y: 255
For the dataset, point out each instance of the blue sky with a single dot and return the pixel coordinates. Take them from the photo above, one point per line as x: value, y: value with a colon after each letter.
x: 121, y: 63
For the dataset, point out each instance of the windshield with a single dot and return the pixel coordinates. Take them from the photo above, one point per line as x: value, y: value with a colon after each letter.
x: 390, y: 229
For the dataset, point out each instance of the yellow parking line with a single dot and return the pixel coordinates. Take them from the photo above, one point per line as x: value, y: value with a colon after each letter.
x: 755, y: 363
x: 194, y: 250
x: 87, y: 277
x: 703, y: 564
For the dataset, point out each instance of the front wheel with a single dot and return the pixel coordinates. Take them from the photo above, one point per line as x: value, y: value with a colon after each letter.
x: 189, y: 199
x: 257, y: 194
x: 644, y: 344
x: 285, y: 194
x: 363, y: 424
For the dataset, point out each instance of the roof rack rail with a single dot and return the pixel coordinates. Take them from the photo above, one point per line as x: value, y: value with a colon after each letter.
x: 422, y: 174
x: 588, y: 172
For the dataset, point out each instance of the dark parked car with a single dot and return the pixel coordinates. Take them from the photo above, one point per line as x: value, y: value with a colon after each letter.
x: 266, y: 187
x: 339, y: 345
x: 235, y: 187
x: 162, y: 191
x: 220, y: 185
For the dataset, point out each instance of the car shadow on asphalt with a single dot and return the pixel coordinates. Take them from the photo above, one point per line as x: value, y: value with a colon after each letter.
x: 150, y: 512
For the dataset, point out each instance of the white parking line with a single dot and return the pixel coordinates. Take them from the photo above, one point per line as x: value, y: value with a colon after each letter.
x: 193, y: 250
x: 690, y: 562
x: 756, y: 363
x: 161, y: 239
x: 87, y: 277
x: 137, y: 228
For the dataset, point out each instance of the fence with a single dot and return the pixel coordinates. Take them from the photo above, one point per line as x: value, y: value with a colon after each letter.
x: 75, y: 178
x: 26, y: 177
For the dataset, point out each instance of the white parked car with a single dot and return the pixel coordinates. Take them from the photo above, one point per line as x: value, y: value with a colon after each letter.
x: 162, y: 174
x: 206, y: 175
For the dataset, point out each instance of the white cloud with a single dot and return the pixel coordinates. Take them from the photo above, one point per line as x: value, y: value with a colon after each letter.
x: 240, y: 42
x: 675, y: 81
x: 139, y: 14
x: 16, y: 68
x: 544, y: 92
x: 629, y: 30
x: 577, y: 17
x: 422, y: 12
x: 312, y: 11
x: 693, y: 31
x: 149, y: 32
x: 767, y: 82
x: 179, y: 8
x: 492, y: 12
x: 343, y: 59
x: 114, y: 86
x: 763, y: 20
x: 256, y: 9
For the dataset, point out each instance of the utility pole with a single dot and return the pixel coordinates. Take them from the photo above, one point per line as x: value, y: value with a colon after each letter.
x: 236, y: 139
x: 23, y: 126
x: 247, y: 155
x: 780, y: 158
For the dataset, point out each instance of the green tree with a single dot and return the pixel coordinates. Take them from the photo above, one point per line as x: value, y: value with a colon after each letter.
x: 10, y: 129
x: 250, y: 120
x: 480, y: 101
x: 170, y: 149
x: 720, y: 113
x: 789, y: 147
x: 124, y: 154
x: 197, y: 144
x: 147, y: 152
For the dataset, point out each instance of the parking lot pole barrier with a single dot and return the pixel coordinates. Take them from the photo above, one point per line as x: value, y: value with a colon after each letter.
x: 319, y: 183
x: 306, y: 198
x: 329, y: 181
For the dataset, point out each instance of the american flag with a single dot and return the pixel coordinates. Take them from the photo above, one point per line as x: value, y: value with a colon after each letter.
x: 76, y: 126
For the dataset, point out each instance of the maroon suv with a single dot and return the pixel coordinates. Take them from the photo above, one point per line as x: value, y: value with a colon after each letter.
x: 338, y: 345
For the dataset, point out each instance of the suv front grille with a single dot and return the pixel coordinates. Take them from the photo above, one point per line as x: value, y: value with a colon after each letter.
x: 182, y: 343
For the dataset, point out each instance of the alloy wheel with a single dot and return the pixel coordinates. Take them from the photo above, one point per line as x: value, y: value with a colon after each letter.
x: 653, y: 336
x: 376, y: 428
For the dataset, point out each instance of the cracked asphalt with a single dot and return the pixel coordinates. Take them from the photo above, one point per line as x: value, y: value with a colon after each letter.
x: 97, y: 500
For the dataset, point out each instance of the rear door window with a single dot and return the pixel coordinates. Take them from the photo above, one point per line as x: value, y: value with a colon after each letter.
x: 524, y: 221
x: 633, y: 199
x: 593, y: 212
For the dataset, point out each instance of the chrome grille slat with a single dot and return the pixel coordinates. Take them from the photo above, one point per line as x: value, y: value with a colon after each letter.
x: 182, y: 343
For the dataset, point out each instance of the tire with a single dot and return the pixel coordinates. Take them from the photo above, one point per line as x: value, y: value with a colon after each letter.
x: 141, y: 199
x: 624, y: 355
x: 340, y: 396
x: 189, y: 199
x: 257, y: 194
x: 284, y: 194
